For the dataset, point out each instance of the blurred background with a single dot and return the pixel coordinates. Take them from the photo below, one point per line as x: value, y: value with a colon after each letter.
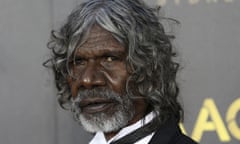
x: 207, y: 41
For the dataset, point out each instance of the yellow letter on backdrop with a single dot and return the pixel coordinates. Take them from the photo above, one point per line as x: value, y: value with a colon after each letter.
x: 209, y: 110
x: 231, y: 117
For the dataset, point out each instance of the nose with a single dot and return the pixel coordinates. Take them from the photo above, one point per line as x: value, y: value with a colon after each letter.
x: 91, y: 76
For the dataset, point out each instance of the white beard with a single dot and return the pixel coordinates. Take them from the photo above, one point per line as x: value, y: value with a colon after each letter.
x: 124, y: 112
x: 105, y: 123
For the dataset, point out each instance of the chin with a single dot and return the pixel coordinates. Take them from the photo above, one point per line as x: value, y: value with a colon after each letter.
x: 105, y: 123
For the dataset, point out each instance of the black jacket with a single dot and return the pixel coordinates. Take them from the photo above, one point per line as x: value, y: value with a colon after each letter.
x: 167, y: 133
x: 170, y: 133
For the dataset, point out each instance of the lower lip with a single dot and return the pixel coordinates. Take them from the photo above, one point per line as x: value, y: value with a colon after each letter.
x: 91, y: 109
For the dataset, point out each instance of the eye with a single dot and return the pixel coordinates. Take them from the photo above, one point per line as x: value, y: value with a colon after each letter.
x: 111, y: 58
x: 79, y: 61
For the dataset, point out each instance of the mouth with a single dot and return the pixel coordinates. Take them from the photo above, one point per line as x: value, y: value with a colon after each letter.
x: 96, y: 105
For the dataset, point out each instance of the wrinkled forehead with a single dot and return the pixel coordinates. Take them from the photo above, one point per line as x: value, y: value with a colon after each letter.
x: 100, y: 38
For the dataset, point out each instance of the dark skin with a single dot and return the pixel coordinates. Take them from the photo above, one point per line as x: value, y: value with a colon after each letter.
x: 100, y: 62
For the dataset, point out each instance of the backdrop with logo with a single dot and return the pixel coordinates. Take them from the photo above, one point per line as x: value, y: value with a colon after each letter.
x: 207, y: 42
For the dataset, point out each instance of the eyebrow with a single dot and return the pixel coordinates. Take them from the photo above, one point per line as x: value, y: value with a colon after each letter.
x: 102, y: 53
x: 114, y: 53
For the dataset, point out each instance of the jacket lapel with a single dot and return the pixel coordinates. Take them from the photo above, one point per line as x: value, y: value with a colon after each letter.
x: 165, y: 133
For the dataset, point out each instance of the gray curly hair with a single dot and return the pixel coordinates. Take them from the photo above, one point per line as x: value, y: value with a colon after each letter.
x: 149, y: 51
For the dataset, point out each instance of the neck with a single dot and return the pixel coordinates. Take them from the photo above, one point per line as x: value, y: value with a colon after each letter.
x: 139, y: 133
x: 140, y: 113
x: 109, y: 135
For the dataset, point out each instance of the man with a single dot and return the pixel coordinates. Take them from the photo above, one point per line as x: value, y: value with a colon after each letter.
x: 113, y: 66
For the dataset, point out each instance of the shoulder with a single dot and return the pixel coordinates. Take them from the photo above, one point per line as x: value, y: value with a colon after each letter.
x: 174, y: 138
x: 170, y: 133
x: 183, y: 139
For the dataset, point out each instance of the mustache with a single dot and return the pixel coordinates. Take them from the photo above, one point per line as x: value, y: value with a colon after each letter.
x: 105, y: 93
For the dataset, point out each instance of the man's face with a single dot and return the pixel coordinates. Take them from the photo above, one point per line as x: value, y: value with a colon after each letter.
x: 98, y: 84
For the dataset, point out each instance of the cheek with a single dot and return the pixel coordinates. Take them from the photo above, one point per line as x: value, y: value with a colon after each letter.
x: 117, y: 77
x: 73, y: 86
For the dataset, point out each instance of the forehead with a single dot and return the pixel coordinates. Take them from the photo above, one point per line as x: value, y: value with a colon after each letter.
x: 99, y: 40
